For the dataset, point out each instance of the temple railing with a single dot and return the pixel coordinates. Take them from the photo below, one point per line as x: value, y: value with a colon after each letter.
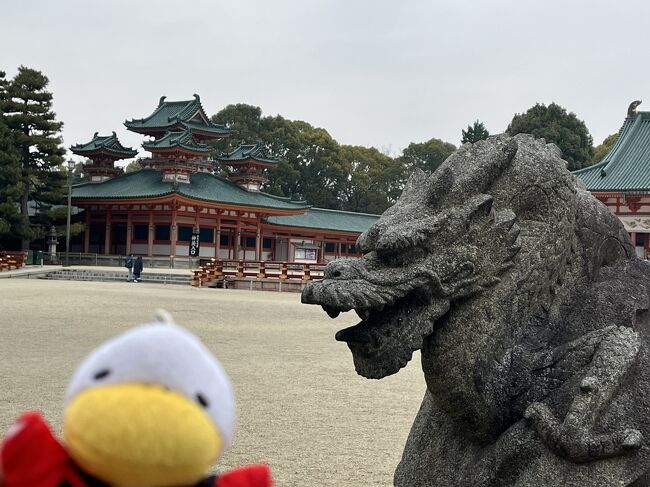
x: 11, y: 260
x: 216, y: 271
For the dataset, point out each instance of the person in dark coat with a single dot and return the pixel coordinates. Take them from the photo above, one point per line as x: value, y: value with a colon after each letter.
x: 129, y: 265
x: 137, y: 268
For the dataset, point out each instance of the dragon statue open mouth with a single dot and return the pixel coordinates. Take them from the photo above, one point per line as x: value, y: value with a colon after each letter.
x: 394, y: 316
x: 419, y: 257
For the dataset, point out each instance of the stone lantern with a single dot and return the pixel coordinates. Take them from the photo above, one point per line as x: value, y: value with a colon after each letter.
x: 52, y: 241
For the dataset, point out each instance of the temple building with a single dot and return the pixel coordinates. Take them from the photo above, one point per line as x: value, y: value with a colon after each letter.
x: 177, y: 199
x: 248, y: 163
x: 103, y: 151
x: 622, y: 179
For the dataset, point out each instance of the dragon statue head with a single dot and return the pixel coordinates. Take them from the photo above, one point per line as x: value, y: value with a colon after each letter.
x: 452, y: 236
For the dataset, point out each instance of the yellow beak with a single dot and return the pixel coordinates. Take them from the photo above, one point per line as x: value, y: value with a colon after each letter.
x: 134, y: 434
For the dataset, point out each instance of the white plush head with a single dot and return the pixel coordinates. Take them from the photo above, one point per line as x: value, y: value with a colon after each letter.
x: 167, y: 355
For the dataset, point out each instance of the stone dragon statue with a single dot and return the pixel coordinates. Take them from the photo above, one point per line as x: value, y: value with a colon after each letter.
x: 530, y: 308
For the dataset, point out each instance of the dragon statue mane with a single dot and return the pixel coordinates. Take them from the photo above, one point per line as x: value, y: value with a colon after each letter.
x: 530, y: 308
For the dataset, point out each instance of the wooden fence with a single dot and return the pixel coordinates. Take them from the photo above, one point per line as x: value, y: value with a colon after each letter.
x: 216, y: 271
x: 11, y: 260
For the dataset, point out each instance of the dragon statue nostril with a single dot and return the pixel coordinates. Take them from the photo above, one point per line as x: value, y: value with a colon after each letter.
x: 531, y: 311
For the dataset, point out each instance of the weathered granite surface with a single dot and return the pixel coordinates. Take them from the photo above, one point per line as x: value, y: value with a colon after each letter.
x: 531, y: 310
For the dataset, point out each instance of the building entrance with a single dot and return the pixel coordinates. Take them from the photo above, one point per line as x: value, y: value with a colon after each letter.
x: 118, y: 239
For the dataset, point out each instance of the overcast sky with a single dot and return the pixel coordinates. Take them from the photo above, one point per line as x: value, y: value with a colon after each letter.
x: 372, y: 72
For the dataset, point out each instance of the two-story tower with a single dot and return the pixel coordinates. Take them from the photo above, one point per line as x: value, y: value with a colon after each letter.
x: 248, y: 163
x: 103, y: 151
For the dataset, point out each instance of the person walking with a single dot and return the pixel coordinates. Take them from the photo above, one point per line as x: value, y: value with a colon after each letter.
x: 128, y: 263
x: 138, y: 265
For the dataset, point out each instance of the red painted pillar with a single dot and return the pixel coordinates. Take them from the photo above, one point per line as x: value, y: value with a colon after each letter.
x: 150, y: 234
x: 237, y: 243
x: 217, y: 250
x: 129, y: 232
x: 87, y: 231
x: 107, y: 234
x: 173, y: 237
x: 258, y: 243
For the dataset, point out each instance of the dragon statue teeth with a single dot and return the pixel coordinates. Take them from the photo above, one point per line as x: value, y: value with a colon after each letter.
x: 530, y: 308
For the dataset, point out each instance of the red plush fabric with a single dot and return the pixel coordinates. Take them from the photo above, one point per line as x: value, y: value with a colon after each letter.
x: 32, y: 456
x: 248, y: 476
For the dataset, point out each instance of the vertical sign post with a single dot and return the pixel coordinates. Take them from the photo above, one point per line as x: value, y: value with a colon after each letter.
x: 195, y: 245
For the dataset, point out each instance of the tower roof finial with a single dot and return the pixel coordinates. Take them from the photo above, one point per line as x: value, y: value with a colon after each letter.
x: 631, y: 110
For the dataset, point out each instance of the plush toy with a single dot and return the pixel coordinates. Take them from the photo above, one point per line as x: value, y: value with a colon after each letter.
x: 150, y: 407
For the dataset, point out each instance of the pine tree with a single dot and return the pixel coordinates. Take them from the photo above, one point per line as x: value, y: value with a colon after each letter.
x: 474, y: 133
x: 27, y: 111
x: 10, y: 186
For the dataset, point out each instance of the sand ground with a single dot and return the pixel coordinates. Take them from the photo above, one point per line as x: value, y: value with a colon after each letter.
x: 301, y: 406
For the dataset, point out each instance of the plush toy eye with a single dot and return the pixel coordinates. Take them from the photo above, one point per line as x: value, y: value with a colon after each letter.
x: 202, y: 400
x: 102, y: 374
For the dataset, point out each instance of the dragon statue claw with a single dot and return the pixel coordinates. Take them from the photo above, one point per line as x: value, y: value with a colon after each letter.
x: 577, y: 443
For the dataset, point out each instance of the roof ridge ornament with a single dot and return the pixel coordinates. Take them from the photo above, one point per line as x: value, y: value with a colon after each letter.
x: 162, y: 100
x: 197, y: 97
x: 632, y: 109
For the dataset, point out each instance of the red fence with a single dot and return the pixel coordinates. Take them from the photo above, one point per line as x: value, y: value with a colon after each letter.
x: 11, y: 260
x: 217, y: 270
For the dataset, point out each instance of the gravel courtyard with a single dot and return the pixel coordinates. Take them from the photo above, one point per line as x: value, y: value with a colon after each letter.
x: 301, y: 406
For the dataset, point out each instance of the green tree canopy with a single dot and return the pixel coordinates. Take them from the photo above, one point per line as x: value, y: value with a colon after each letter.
x: 27, y: 112
x: 600, y: 151
x: 374, y: 182
x: 315, y: 167
x: 474, y: 133
x: 309, y: 167
x: 244, y: 119
x: 556, y: 125
x: 322, y: 172
x: 10, y: 185
x: 426, y: 155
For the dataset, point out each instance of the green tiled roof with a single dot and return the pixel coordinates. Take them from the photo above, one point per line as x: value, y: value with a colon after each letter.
x: 104, y: 143
x: 626, y: 167
x: 148, y: 183
x: 324, y: 219
x: 247, y: 151
x: 211, y: 129
x: 171, y: 113
x: 182, y: 139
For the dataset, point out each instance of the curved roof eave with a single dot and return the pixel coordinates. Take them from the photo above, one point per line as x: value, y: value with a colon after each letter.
x: 282, y: 211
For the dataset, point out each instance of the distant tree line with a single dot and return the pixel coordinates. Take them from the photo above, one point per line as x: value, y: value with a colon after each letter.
x: 315, y: 167
x: 312, y: 165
